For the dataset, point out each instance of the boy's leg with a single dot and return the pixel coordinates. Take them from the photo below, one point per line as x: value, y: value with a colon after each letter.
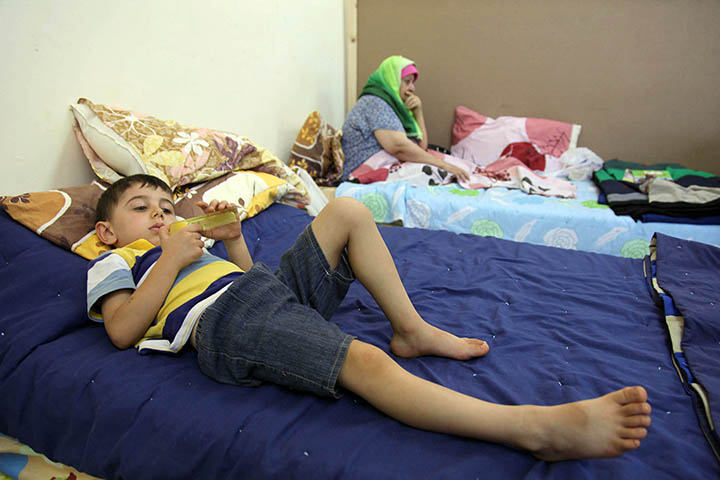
x: 347, y: 223
x: 606, y: 426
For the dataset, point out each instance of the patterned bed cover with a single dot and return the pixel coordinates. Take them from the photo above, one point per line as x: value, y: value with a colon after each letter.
x: 577, y: 224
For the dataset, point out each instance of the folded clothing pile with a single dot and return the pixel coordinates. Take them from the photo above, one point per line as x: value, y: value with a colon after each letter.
x: 662, y: 192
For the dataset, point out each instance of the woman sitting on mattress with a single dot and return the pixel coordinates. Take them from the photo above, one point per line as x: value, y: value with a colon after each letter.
x: 386, y: 125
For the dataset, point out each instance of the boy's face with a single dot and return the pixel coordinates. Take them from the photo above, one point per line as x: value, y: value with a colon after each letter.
x: 140, y: 213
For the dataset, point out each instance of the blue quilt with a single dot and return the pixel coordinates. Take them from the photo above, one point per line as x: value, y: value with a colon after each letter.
x: 562, y: 325
x: 576, y: 224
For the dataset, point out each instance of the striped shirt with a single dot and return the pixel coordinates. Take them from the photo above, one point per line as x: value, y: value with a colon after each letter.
x: 195, y: 288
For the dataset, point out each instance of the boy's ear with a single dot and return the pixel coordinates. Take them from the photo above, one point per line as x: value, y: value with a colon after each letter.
x: 105, y: 233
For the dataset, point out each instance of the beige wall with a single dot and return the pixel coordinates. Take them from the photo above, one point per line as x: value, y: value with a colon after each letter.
x: 642, y: 77
x: 256, y: 68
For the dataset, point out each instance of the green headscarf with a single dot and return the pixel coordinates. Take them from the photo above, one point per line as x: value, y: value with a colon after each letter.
x: 385, y: 83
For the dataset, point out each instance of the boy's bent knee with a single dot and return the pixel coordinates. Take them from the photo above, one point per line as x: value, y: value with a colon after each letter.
x: 349, y: 209
x: 364, y: 366
x: 345, y: 203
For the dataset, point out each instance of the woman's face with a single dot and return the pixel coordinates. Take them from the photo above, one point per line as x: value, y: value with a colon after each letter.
x: 407, y: 86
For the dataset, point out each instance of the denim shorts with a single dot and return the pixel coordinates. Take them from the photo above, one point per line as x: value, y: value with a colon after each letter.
x: 275, y: 327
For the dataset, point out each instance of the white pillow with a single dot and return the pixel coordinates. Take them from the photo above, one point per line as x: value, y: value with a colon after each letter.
x: 110, y: 147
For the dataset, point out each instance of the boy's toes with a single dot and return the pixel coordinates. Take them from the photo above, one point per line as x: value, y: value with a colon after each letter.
x: 633, y: 433
x: 635, y: 421
x: 637, y: 408
x: 627, y: 444
x: 478, y: 347
x: 630, y: 395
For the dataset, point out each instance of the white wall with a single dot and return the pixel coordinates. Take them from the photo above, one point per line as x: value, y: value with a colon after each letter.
x: 253, y: 67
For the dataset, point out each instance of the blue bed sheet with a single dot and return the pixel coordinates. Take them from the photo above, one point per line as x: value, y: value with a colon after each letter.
x: 578, y: 224
x: 562, y: 325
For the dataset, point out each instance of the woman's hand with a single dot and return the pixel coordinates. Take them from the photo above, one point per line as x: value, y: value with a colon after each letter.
x: 231, y: 231
x: 413, y: 102
x: 460, y: 173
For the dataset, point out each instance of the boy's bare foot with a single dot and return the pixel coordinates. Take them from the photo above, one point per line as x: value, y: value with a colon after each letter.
x: 606, y: 426
x: 430, y: 340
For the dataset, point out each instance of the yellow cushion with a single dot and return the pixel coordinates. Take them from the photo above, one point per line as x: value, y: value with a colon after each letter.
x: 253, y: 190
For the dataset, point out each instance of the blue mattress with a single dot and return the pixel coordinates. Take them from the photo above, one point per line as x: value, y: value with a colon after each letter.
x: 562, y: 325
x: 576, y: 224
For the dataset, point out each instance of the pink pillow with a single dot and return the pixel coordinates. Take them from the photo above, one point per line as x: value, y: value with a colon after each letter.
x: 465, y: 122
x: 482, y: 139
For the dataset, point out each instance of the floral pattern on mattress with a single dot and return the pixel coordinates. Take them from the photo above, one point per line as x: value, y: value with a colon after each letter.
x: 18, y: 461
x: 577, y: 224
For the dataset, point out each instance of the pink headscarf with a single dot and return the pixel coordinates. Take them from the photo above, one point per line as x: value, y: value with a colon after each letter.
x: 409, y: 70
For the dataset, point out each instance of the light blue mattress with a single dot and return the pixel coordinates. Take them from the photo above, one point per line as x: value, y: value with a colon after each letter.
x: 578, y: 224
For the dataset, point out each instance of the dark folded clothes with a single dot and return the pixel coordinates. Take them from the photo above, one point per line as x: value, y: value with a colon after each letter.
x: 656, y: 218
x: 664, y: 189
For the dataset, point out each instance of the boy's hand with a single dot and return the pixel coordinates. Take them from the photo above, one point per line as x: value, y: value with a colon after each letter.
x: 184, y: 246
x: 231, y: 231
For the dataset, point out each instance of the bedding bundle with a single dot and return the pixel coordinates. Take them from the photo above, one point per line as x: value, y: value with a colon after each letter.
x: 483, y: 139
x: 662, y: 192
x: 510, y: 152
x: 525, y: 150
x: 507, y: 172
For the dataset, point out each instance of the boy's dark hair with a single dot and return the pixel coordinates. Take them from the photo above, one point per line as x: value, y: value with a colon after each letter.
x: 110, y: 197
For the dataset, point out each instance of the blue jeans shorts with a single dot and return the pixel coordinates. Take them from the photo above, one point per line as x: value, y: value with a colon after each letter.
x: 275, y: 327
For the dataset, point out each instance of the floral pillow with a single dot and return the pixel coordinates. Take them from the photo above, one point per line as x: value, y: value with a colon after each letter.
x: 122, y: 142
x: 317, y: 149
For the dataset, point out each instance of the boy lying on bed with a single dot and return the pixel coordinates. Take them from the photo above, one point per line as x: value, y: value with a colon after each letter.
x: 250, y: 325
